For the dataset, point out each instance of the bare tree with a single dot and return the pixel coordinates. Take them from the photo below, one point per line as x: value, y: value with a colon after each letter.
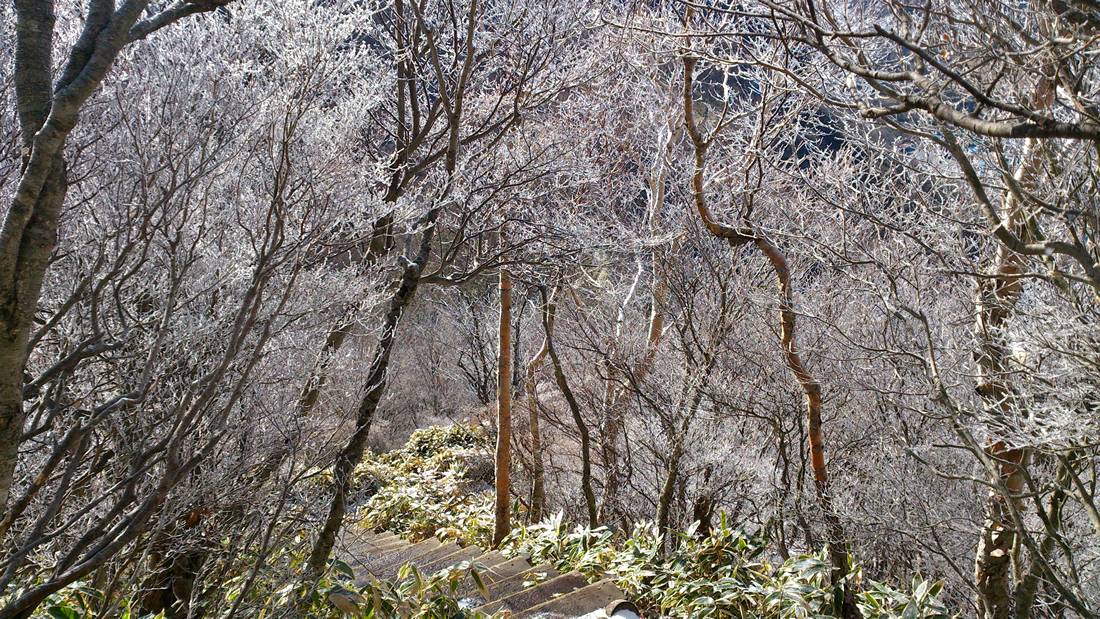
x: 972, y: 80
x: 737, y: 236
x: 48, y: 112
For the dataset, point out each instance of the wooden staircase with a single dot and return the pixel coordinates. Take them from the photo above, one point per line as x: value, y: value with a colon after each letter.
x: 555, y: 596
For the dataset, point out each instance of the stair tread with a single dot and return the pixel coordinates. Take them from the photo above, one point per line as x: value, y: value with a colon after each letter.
x: 403, y: 556
x: 532, y: 596
x: 511, y: 584
x: 366, y: 535
x: 490, y: 559
x: 351, y: 542
x: 495, y: 570
x: 581, y: 602
x: 372, y: 547
x: 555, y: 596
x: 464, y: 554
x: 507, y: 569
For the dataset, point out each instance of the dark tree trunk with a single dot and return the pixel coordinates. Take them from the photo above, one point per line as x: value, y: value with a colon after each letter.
x: 538, y: 490
x: 352, y: 453
x: 582, y: 427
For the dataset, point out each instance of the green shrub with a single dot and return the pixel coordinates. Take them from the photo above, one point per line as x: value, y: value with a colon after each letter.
x: 426, y: 488
x: 427, y: 442
x: 435, y: 485
x: 719, y: 575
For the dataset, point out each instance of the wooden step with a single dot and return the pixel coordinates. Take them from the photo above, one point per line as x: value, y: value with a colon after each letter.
x: 491, y: 575
x: 507, y: 586
x: 594, y: 597
x: 368, y: 536
x: 501, y: 571
x: 384, y: 568
x: 403, y: 556
x: 495, y: 567
x: 356, y: 541
x: 365, y: 552
x: 489, y: 559
x: 554, y: 596
x: 464, y: 554
x: 533, y: 596
x: 472, y: 555
x: 359, y: 560
x: 386, y: 544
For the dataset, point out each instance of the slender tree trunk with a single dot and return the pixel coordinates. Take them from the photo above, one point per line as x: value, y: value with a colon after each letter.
x: 612, y: 425
x: 672, y: 473
x: 352, y: 453
x: 615, y: 427
x: 994, y: 557
x: 664, y: 503
x: 582, y: 427
x: 502, y: 515
x: 838, y: 554
x: 538, y: 492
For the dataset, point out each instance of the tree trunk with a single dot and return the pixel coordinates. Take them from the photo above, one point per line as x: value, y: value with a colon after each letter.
x: 664, y: 503
x: 30, y: 227
x: 502, y: 515
x: 615, y: 426
x: 838, y: 554
x: 1029, y: 584
x: 17, y: 313
x: 352, y: 453
x: 582, y: 427
x: 612, y: 425
x: 993, y: 562
x: 994, y: 556
x: 538, y: 492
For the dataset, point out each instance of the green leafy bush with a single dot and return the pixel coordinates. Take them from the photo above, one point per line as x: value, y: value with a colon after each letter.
x: 435, y: 485
x: 427, y: 442
x: 415, y: 595
x: 427, y: 488
x: 719, y: 575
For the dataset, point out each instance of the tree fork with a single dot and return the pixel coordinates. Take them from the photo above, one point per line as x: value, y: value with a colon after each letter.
x: 582, y: 427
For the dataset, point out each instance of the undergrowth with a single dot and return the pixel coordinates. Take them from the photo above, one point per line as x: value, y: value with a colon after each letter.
x: 439, y: 484
x: 721, y: 573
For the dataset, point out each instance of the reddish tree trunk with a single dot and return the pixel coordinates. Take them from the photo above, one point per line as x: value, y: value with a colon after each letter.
x: 503, y: 515
x: 838, y: 554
